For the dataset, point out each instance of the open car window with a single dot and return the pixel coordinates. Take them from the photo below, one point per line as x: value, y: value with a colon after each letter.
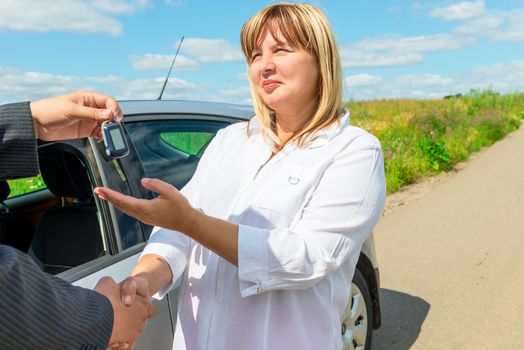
x: 170, y: 149
x: 61, y: 227
x: 26, y: 185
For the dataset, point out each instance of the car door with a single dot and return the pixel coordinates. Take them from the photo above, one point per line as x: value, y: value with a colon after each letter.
x: 126, y: 238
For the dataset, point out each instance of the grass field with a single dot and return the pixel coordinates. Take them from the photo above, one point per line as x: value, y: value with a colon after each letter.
x: 419, y: 138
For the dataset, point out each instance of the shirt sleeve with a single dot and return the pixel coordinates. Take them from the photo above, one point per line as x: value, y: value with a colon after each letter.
x: 338, y: 217
x: 174, y: 246
x: 18, y: 155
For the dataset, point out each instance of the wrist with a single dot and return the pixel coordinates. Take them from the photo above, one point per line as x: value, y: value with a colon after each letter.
x: 154, y: 270
x: 194, y: 216
x: 33, y: 109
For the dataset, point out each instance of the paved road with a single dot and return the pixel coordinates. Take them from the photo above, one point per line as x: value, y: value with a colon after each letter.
x: 452, y: 262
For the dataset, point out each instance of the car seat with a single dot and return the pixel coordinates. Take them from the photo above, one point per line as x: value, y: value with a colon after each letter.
x: 15, y: 230
x: 70, y: 235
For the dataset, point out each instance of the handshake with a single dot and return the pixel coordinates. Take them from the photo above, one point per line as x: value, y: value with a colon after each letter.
x: 131, y: 308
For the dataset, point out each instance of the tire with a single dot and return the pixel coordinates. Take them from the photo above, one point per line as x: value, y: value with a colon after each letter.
x: 357, y: 320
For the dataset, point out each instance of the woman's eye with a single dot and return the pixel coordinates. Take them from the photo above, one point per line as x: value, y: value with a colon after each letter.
x: 283, y: 49
x: 255, y: 56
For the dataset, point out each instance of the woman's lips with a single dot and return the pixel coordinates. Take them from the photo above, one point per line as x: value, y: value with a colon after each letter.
x: 270, y: 85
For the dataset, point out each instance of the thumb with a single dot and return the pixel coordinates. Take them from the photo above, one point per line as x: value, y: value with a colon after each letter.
x: 157, y: 186
x: 128, y: 291
x: 142, y: 286
x: 90, y: 113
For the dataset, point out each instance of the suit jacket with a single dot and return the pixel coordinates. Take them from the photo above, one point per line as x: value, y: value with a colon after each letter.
x: 38, y: 310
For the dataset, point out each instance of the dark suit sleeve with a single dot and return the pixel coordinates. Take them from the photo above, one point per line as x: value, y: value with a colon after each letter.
x: 18, y: 156
x: 41, y: 311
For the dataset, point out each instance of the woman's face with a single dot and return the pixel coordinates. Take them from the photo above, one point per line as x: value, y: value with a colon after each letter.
x: 286, y: 77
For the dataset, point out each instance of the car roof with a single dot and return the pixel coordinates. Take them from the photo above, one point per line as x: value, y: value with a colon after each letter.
x: 147, y: 107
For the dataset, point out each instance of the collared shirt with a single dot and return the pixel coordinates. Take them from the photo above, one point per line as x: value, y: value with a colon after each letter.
x: 303, y: 216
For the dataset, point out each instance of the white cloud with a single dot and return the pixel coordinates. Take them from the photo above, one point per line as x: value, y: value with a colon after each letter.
x: 150, y: 88
x: 55, y: 15
x: 211, y: 50
x: 479, y: 22
x: 120, y: 6
x: 476, y: 23
x: 362, y: 80
x: 241, y: 95
x: 420, y: 43
x: 18, y: 85
x: 460, y: 11
x: 424, y: 80
x: 504, y: 77
x: 199, y: 51
x: 481, y: 26
x: 513, y: 30
x: 396, y: 51
x: 162, y: 62
x: 355, y: 59
x: 496, y: 26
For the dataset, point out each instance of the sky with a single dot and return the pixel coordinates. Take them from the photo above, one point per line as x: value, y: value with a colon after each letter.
x: 389, y: 49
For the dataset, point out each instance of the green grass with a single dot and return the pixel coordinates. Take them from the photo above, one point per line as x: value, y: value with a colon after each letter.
x: 421, y: 138
x: 21, y: 186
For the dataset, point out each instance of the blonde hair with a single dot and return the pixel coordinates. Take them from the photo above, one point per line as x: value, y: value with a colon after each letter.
x: 306, y: 27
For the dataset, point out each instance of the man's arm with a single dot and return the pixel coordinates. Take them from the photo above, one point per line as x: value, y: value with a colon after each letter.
x: 40, y: 311
x: 75, y: 115
x: 18, y: 157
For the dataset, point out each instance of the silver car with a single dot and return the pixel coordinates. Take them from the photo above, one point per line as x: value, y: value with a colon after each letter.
x: 71, y: 233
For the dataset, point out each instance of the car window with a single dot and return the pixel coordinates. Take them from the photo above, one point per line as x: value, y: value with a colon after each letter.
x: 25, y: 185
x: 170, y: 149
x: 60, y: 227
x: 189, y: 143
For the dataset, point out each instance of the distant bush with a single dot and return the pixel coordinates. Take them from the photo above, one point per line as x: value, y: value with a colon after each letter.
x: 421, y: 138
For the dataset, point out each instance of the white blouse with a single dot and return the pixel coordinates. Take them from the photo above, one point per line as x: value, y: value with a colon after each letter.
x: 303, y: 216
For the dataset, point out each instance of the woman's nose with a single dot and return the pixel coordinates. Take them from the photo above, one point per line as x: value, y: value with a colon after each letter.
x: 268, y: 65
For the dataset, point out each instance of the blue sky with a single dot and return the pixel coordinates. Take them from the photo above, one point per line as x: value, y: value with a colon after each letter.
x: 389, y: 49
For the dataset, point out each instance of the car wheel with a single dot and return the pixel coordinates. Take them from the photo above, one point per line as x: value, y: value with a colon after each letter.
x: 357, y: 319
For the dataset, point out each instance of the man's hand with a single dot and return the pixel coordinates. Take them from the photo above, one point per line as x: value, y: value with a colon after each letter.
x: 75, y: 115
x: 129, y: 320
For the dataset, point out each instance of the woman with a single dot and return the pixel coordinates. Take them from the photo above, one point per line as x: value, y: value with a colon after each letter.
x: 268, y: 231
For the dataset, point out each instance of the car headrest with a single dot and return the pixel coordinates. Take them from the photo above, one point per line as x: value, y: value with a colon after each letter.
x: 63, y: 172
x: 4, y: 190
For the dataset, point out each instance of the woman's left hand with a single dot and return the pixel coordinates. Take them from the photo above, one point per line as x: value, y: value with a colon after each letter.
x: 170, y: 209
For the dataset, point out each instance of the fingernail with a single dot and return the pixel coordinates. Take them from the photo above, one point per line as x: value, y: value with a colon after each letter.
x: 127, y: 299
